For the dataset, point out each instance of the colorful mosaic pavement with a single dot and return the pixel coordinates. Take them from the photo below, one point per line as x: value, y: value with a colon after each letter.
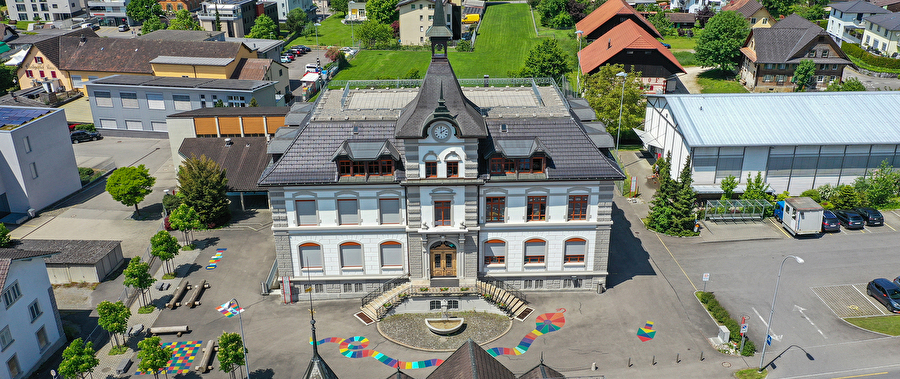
x: 183, y: 354
x: 230, y: 309
x: 215, y: 259
x: 355, y: 347
x: 545, y: 323
x: 646, y: 333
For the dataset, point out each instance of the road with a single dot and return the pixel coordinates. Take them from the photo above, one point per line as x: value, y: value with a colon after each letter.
x: 872, y: 83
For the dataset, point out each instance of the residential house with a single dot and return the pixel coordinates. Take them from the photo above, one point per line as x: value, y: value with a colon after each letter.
x: 236, y: 17
x: 110, y: 12
x: 7, y: 33
x: 882, y: 33
x: 632, y: 46
x: 682, y: 20
x: 441, y: 184
x: 185, y: 35
x: 172, y: 6
x: 286, y: 6
x: 753, y: 12
x: 845, y: 22
x: 223, y: 122
x: 356, y: 12
x: 46, y: 10
x: 37, y: 167
x: 42, y: 61
x: 609, y: 15
x: 891, y: 5
x: 143, y: 102
x: 264, y: 48
x: 745, y: 134
x: 769, y: 56
x: 243, y: 158
x: 694, y: 6
x: 416, y: 17
x: 268, y: 70
x: 30, y: 327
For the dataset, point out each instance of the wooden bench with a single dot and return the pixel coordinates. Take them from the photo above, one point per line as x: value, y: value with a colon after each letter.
x: 124, y: 365
x: 179, y: 330
x: 205, y: 364
x: 179, y: 293
x: 162, y: 286
x: 198, y: 291
x: 135, y: 330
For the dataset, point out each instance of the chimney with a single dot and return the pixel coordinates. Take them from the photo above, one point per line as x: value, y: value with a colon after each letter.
x: 83, y: 38
x: 609, y: 44
x: 228, y: 142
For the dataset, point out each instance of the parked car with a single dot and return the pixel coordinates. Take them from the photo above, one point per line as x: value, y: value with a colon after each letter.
x: 871, y: 215
x: 850, y: 219
x: 830, y: 222
x: 290, y: 55
x: 302, y: 47
x: 897, y: 281
x: 886, y: 292
x: 297, y: 51
x: 667, y: 46
x: 285, y: 59
x: 88, y: 25
x: 124, y: 28
x: 84, y: 135
x: 467, y: 36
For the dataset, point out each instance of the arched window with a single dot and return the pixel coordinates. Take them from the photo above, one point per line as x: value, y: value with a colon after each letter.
x: 575, y: 250
x: 391, y: 254
x: 310, y: 255
x: 535, y: 251
x: 494, y: 252
x: 351, y: 255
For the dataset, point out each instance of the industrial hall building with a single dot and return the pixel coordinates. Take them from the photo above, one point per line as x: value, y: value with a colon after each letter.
x: 442, y: 181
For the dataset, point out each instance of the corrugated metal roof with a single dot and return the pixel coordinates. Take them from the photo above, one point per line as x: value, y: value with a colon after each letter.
x: 773, y: 119
x: 169, y: 59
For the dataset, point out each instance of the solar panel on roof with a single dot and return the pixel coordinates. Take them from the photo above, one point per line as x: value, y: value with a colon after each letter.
x: 19, y: 116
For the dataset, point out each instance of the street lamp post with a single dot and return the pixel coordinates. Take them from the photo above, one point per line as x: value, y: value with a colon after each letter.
x: 243, y: 340
x: 624, y: 76
x: 317, y: 33
x: 762, y: 358
x: 352, y: 39
x: 579, y: 33
x: 772, y: 362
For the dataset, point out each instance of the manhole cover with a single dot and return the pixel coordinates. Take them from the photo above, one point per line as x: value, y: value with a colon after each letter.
x: 726, y: 364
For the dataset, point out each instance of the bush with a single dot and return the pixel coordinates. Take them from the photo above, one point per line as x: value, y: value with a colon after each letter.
x: 812, y: 194
x: 170, y: 202
x: 85, y: 174
x: 463, y: 46
x: 88, y: 127
x: 854, y: 50
x: 720, y: 314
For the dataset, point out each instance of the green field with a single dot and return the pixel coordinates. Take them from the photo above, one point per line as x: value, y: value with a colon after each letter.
x: 504, y: 39
x: 717, y: 81
x: 681, y: 43
x: 889, y: 325
x: 686, y: 58
x: 331, y: 33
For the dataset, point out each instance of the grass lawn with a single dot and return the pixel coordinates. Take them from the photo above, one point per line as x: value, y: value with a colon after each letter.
x: 889, y: 325
x: 681, y: 43
x: 331, y: 33
x: 751, y: 373
x: 504, y: 40
x: 718, y: 81
x: 686, y: 58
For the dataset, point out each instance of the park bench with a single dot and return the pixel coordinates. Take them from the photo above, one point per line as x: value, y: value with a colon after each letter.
x: 124, y: 365
x: 179, y: 293
x: 179, y: 330
x: 198, y: 291
x: 162, y: 286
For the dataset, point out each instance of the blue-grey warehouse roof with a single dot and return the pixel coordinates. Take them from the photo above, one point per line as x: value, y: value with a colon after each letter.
x: 773, y: 119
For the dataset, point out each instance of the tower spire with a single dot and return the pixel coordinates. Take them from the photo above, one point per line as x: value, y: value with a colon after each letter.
x: 438, y: 32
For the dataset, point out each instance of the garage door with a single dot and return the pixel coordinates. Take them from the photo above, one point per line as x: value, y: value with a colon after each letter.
x: 133, y: 125
x: 108, y: 124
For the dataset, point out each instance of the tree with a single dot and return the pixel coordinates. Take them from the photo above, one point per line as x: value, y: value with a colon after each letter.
x: 371, y: 34
x: 113, y: 317
x: 153, y: 356
x: 164, y: 247
x: 880, y: 186
x: 335, y: 54
x: 577, y: 10
x: 143, y: 10
x: 231, y: 352
x: 78, y: 358
x: 151, y: 25
x: 728, y: 185
x: 8, y: 81
x: 813, y: 12
x: 219, y: 104
x: 546, y: 59
x: 720, y: 42
x: 253, y: 102
x: 339, y: 6
x: 657, y: 17
x: 185, y: 219
x: 184, y: 21
x: 129, y: 185
x: 778, y: 8
x: 217, y: 24
x: 264, y: 28
x: 5, y: 239
x: 382, y: 11
x: 603, y: 91
x: 757, y: 189
x: 672, y: 207
x: 803, y: 75
x: 296, y: 20
x: 137, y: 276
x: 852, y: 84
x: 549, y: 9
x: 846, y: 197
x: 202, y: 184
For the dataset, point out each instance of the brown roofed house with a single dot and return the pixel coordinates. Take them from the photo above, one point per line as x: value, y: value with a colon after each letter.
x: 753, y: 11
x: 607, y: 16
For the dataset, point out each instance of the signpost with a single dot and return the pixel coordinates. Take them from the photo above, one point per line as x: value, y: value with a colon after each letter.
x: 705, y: 279
x: 633, y: 184
x: 744, y: 327
x: 769, y: 340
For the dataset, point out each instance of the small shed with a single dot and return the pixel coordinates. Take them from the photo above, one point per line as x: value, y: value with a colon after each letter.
x: 78, y: 260
x: 802, y: 215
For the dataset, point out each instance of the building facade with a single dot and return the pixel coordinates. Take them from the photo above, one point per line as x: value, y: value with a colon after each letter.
x: 755, y: 14
x: 236, y: 17
x: 30, y: 327
x: 110, y: 12
x: 177, y: 5
x: 38, y: 163
x: 845, y: 22
x: 416, y: 16
x: 483, y: 184
x: 882, y: 32
x: 142, y: 103
x: 52, y: 10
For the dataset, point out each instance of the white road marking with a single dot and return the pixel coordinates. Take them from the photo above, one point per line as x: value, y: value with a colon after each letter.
x: 869, y: 298
x: 774, y: 336
x: 801, y: 309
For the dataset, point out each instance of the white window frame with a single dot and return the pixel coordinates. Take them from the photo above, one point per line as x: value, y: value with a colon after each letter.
x: 27, y: 144
x: 180, y: 103
x: 12, y: 294
x: 103, y: 99
x: 6, y: 338
x: 34, y: 310
x: 156, y: 101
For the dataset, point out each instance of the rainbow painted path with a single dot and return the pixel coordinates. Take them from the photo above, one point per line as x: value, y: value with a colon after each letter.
x: 355, y: 347
x: 545, y: 323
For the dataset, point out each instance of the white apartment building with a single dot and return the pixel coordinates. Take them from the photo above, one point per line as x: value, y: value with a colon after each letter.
x: 46, y: 10
x: 845, y: 22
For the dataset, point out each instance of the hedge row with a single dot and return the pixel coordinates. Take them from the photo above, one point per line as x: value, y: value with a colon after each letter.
x: 857, y: 52
x: 721, y: 315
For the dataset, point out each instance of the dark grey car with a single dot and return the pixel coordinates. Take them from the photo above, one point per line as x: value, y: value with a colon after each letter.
x: 871, y: 215
x: 84, y: 135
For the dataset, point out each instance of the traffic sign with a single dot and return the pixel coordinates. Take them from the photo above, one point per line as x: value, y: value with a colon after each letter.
x: 743, y: 329
x: 705, y: 276
x: 769, y: 340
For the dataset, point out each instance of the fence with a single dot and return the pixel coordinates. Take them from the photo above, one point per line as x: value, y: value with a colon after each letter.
x: 347, y: 85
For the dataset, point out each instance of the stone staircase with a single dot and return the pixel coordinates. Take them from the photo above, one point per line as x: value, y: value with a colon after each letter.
x: 375, y: 309
x: 510, y: 301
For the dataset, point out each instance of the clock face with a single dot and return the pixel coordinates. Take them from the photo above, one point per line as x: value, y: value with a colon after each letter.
x: 441, y: 132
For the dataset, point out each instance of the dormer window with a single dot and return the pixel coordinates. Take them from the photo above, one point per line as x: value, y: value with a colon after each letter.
x: 500, y: 166
x: 384, y: 167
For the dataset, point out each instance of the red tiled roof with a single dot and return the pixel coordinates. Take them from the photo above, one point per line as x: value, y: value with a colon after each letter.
x: 627, y: 35
x: 607, y: 12
x: 745, y: 7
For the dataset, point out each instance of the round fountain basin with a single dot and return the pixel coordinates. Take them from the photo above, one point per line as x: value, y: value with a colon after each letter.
x: 444, y: 326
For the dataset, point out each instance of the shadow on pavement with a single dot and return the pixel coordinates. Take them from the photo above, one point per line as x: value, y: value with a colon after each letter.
x: 262, y: 374
x: 627, y: 257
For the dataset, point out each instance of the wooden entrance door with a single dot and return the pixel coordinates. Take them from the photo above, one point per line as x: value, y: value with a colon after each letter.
x: 443, y: 260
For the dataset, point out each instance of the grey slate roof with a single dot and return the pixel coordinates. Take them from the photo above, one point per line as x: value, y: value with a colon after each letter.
x: 582, y: 109
x: 243, y: 160
x: 519, y: 147
x: 745, y: 7
x: 366, y: 150
x: 308, y: 161
x: 889, y: 21
x: 572, y: 154
x: 470, y: 361
x: 51, y: 34
x: 284, y: 137
x: 232, y: 111
x: 439, y: 79
x: 599, y: 135
x: 183, y: 35
x: 4, y: 270
x: 816, y: 118
x: 298, y: 114
x: 84, y: 252
x: 438, y: 28
x: 18, y: 252
x: 162, y: 81
x: 171, y: 59
x: 857, y: 6
x: 789, y: 39
x: 542, y: 371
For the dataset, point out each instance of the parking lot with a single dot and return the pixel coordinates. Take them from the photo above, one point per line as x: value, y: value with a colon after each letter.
x: 849, y: 300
